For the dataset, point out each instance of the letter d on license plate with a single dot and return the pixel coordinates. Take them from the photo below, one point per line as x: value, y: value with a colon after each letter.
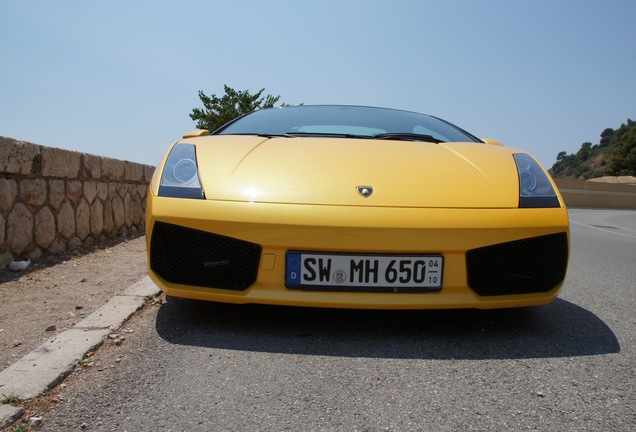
x: 339, y: 272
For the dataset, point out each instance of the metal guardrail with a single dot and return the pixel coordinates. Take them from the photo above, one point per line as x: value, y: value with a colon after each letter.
x: 586, y: 194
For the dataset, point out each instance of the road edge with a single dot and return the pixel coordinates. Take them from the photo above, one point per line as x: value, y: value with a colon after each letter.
x: 50, y: 363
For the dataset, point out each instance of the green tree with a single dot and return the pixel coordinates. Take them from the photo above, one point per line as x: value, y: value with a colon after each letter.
x: 217, y: 111
x: 614, y: 155
x: 584, y: 152
x: 606, y: 137
x: 623, y: 158
x: 562, y: 155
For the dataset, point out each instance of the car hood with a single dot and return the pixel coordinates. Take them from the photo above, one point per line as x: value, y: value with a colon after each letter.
x: 328, y: 171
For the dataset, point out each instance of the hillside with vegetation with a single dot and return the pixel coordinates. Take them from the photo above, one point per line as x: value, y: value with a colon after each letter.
x: 614, y: 155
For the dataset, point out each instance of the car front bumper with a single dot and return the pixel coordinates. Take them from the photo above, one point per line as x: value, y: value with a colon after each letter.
x: 493, y: 258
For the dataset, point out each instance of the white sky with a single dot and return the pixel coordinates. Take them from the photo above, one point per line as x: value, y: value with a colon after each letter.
x: 120, y: 78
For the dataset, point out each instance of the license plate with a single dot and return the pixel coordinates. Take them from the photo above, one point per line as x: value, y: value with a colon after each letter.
x: 344, y: 272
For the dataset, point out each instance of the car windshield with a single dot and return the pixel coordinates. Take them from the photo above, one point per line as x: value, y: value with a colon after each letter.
x: 346, y: 121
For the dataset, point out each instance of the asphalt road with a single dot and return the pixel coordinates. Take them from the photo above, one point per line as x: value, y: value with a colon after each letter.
x: 568, y: 366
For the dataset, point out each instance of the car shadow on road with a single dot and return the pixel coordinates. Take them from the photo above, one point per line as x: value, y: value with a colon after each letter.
x: 561, y: 329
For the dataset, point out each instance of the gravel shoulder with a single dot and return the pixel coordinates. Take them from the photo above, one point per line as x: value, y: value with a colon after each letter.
x: 615, y: 179
x: 53, y: 295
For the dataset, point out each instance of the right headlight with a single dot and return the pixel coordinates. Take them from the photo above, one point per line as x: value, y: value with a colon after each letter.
x: 535, y: 189
x: 180, y: 176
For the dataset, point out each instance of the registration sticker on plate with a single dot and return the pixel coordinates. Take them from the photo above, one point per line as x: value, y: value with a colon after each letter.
x: 343, y: 272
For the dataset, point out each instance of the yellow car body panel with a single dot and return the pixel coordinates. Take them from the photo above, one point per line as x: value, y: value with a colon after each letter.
x: 292, y: 171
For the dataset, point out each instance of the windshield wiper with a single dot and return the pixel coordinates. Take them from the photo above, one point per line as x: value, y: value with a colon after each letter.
x: 273, y: 135
x: 327, y: 135
x: 303, y: 134
x: 400, y: 136
x: 407, y: 137
x: 260, y: 134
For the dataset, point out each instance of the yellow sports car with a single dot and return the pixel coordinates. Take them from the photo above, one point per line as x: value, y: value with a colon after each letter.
x: 354, y: 207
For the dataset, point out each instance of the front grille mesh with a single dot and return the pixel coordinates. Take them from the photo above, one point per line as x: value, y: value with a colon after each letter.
x: 525, y: 266
x: 187, y: 256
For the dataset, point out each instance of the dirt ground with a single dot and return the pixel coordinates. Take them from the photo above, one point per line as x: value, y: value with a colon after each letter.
x: 53, y: 295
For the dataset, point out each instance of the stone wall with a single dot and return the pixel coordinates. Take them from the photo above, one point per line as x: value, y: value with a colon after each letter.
x: 589, y: 194
x: 53, y: 200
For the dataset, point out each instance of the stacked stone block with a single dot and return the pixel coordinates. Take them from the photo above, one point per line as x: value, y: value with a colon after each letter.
x: 52, y: 200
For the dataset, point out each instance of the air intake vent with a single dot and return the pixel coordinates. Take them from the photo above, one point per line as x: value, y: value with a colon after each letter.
x: 525, y: 266
x: 191, y: 257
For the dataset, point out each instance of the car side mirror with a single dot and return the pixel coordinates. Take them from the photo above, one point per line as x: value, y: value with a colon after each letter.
x: 491, y: 141
x: 197, y: 133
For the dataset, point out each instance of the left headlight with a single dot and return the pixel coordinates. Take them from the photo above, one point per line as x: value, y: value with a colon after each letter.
x: 180, y: 176
x: 535, y: 189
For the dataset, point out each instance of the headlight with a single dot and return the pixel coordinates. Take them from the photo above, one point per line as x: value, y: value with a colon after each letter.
x: 535, y: 189
x: 180, y: 176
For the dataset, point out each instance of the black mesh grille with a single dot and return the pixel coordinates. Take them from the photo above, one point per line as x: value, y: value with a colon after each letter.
x: 191, y: 257
x: 526, y: 266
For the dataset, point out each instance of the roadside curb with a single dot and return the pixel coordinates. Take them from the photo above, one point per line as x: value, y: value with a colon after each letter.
x: 46, y: 366
x: 9, y: 414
